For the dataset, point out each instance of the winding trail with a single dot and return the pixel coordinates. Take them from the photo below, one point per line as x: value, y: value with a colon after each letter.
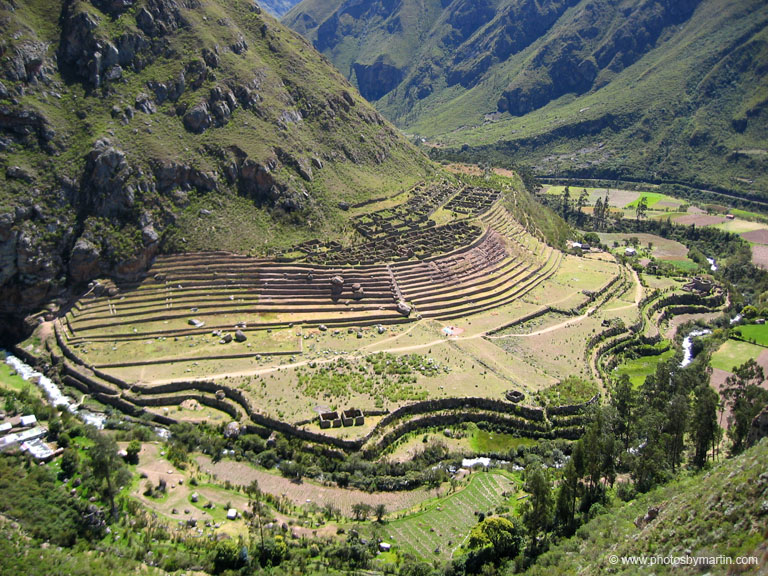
x: 360, y: 353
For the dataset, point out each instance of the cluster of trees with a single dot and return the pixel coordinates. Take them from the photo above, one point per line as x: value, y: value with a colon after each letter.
x: 297, y: 460
x: 648, y: 434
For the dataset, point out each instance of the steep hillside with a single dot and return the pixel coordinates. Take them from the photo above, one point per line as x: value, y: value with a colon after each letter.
x: 278, y: 8
x: 128, y: 128
x: 608, y: 88
x: 718, y: 513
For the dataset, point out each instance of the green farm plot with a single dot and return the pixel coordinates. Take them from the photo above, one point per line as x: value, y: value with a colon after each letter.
x: 749, y: 215
x: 756, y: 333
x: 569, y: 391
x: 653, y: 198
x: 639, y: 368
x: 10, y: 380
x: 444, y: 524
x: 685, y: 265
x: 616, y: 198
x: 734, y: 353
x: 487, y: 442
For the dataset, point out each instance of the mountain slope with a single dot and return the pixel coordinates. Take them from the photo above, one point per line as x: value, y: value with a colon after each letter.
x: 278, y: 8
x: 127, y: 128
x: 720, y: 512
x: 607, y: 88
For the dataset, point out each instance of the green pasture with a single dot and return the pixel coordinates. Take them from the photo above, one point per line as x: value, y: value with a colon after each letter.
x: 756, y: 333
x: 652, y: 198
x: 9, y: 380
x: 443, y: 525
x: 488, y: 442
x: 638, y: 369
x: 734, y: 353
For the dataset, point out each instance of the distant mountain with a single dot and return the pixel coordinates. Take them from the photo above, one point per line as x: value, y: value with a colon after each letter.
x: 277, y: 8
x: 671, y: 89
x: 127, y: 128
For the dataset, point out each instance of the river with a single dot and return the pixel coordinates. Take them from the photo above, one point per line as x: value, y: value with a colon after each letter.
x: 688, y: 345
x: 53, y: 392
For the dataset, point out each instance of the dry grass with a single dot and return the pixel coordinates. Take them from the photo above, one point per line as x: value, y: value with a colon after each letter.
x: 306, y: 492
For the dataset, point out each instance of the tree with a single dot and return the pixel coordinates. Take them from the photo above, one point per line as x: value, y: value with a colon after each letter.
x: 229, y: 556
x: 361, y: 510
x: 745, y: 398
x: 704, y: 429
x: 380, y: 511
x: 624, y: 400
x: 70, y: 462
x: 501, y: 535
x: 641, y: 209
x: 134, y: 447
x: 565, y: 508
x: 107, y: 468
x: 537, y: 510
x: 675, y: 428
x: 565, y: 203
x: 254, y: 500
x: 599, y: 214
x: 581, y: 203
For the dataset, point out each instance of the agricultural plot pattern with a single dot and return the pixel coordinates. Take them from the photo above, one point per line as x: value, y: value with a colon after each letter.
x: 444, y: 525
x: 140, y: 346
x: 242, y: 297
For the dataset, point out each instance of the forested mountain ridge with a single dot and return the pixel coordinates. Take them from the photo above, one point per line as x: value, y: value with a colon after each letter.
x: 132, y: 127
x: 608, y: 88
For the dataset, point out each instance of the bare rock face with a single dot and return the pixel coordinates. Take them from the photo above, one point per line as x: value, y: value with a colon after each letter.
x: 170, y: 175
x: 105, y: 187
x: 28, y: 62
x: 403, y: 308
x: 377, y: 79
x: 8, y: 241
x: 84, y: 261
x: 759, y: 427
x: 198, y: 118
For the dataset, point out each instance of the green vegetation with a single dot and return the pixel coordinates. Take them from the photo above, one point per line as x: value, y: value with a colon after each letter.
x: 491, y: 442
x: 10, y: 380
x: 445, y: 523
x: 755, y: 333
x: 489, y: 82
x: 570, y: 391
x: 637, y: 369
x: 733, y: 353
x: 692, y: 510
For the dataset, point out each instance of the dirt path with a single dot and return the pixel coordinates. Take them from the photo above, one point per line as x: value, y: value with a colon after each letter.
x: 413, y: 347
x: 306, y: 492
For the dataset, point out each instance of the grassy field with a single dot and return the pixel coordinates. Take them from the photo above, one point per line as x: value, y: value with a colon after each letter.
x: 653, y: 198
x: 486, y: 442
x: 569, y: 391
x: 639, y: 368
x: 10, y: 380
x: 734, y: 353
x: 443, y: 525
x: 757, y: 333
x: 662, y: 248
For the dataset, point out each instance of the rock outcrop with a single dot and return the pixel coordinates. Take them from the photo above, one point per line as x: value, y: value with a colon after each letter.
x: 117, y: 116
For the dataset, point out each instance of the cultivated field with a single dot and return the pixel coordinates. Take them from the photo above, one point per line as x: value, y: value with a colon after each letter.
x: 306, y: 492
x: 442, y: 526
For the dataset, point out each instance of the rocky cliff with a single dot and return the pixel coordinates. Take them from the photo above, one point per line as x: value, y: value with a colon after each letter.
x: 133, y: 126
